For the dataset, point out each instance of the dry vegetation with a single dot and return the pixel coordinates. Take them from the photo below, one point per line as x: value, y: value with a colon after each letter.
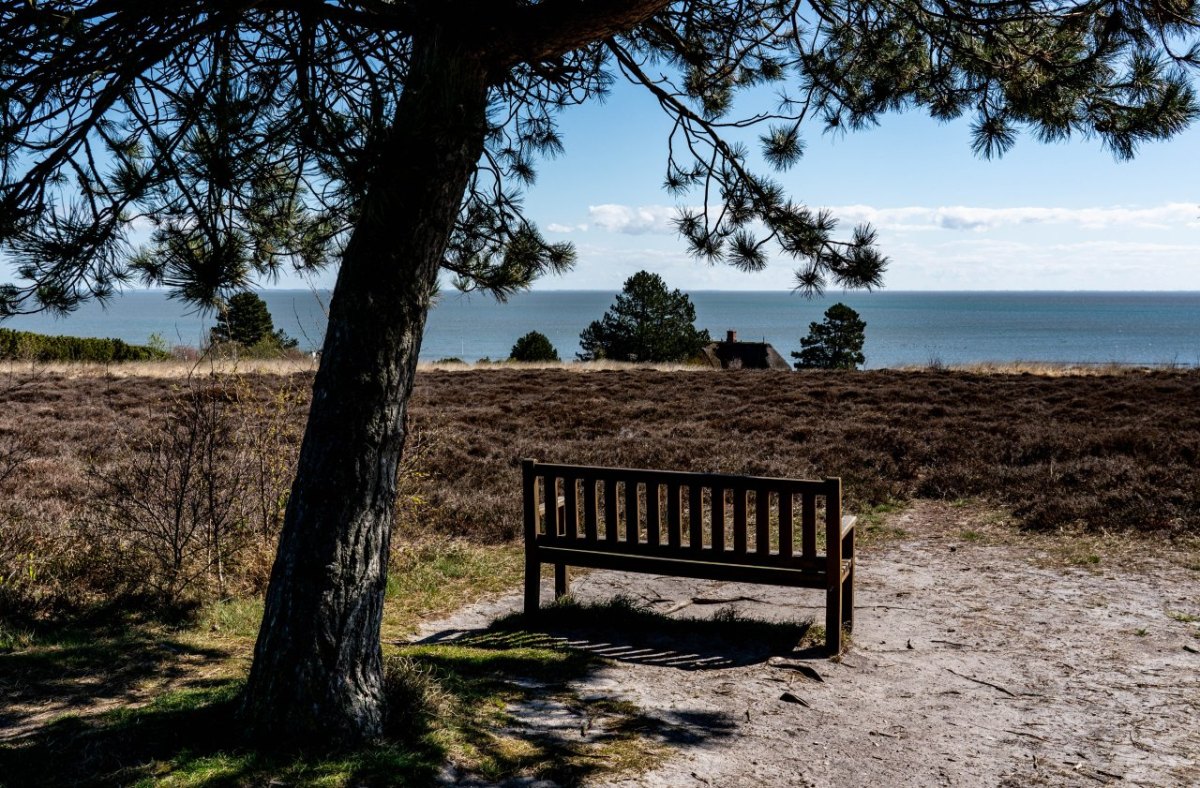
x: 169, y: 489
x: 1105, y: 452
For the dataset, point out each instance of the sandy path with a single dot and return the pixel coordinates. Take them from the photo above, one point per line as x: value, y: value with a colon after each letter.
x: 973, y: 663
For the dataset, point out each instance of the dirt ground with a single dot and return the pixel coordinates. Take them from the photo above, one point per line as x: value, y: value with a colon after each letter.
x: 980, y: 657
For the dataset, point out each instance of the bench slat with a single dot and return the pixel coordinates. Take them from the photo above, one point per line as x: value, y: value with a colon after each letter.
x: 786, y: 538
x: 739, y: 520
x: 589, y: 510
x: 644, y: 475
x: 570, y: 513
x: 610, y: 511
x: 808, y: 525
x: 717, y: 505
x: 695, y: 517
x: 815, y: 564
x: 762, y: 521
x: 631, y: 512
x: 674, y: 505
x: 653, y: 523
x: 706, y: 570
x: 550, y: 513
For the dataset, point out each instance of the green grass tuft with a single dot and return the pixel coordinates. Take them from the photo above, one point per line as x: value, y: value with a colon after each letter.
x: 237, y: 618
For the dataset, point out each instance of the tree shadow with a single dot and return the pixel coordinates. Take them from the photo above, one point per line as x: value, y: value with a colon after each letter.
x: 193, y: 737
x: 521, y: 715
x: 490, y: 710
x: 78, y: 671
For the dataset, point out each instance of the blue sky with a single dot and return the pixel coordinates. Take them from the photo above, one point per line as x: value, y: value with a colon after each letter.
x: 1044, y: 217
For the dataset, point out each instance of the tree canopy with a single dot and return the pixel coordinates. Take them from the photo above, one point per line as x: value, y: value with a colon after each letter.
x: 397, y: 138
x: 247, y: 134
x: 834, y: 343
x: 647, y: 322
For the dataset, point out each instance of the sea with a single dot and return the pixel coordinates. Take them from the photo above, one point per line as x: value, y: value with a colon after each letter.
x: 903, y: 328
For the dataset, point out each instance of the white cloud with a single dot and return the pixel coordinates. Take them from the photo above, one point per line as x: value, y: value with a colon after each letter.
x: 634, y: 221
x: 981, y: 263
x: 555, y: 227
x: 658, y: 219
x: 962, y: 217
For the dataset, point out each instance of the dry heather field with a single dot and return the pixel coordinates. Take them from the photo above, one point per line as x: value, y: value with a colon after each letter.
x: 139, y: 510
x: 1111, y: 453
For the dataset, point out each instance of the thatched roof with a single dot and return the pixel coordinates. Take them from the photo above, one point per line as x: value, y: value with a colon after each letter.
x: 732, y: 354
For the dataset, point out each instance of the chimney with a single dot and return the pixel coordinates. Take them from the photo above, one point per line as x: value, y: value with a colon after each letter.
x: 731, y: 336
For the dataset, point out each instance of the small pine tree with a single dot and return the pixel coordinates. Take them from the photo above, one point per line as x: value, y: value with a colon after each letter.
x: 648, y: 322
x: 246, y: 321
x: 534, y: 346
x: 835, y: 343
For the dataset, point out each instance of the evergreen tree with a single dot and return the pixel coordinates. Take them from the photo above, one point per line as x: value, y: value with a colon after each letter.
x: 534, y: 346
x: 647, y: 323
x: 244, y: 319
x: 834, y: 343
x: 396, y: 138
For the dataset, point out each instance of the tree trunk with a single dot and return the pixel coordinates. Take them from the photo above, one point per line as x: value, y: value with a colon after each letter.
x: 317, y: 672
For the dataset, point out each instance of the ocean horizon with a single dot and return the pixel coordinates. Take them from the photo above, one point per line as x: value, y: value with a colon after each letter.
x: 904, y: 328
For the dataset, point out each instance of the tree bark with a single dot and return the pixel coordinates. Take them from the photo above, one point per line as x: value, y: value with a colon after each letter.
x: 317, y: 672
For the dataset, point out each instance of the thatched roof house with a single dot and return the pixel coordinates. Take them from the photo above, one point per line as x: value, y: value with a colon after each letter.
x: 732, y: 354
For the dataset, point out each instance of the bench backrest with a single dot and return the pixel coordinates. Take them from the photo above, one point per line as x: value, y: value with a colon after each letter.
x: 693, y: 516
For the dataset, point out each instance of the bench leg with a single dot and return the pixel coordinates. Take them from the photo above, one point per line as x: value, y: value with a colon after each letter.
x: 561, y: 581
x: 533, y: 585
x: 833, y: 619
x: 848, y: 601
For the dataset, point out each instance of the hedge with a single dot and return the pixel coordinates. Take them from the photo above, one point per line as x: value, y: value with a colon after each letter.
x: 27, y: 346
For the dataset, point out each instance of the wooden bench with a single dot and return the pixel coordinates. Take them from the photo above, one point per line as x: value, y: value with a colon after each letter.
x: 704, y: 525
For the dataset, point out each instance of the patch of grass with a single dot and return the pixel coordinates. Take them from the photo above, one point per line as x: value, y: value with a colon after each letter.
x: 1141, y: 632
x: 970, y: 536
x: 501, y: 694
x: 432, y: 575
x: 235, y: 618
x: 873, y: 523
x: 460, y: 703
x: 473, y: 703
x: 189, y: 738
x: 15, y: 638
x: 1183, y: 618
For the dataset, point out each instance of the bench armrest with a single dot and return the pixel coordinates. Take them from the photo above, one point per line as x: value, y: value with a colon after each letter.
x: 848, y: 524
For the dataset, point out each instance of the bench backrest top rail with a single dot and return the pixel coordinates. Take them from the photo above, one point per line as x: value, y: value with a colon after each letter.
x: 686, y: 478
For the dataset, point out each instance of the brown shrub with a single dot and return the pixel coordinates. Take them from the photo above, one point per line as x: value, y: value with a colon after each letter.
x: 168, y: 497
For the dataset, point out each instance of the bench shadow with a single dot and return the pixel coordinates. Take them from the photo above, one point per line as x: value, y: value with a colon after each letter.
x: 625, y: 631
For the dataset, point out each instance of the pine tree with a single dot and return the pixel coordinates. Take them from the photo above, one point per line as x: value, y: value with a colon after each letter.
x: 534, y: 346
x: 245, y: 320
x: 834, y: 343
x: 396, y: 138
x: 647, y: 322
